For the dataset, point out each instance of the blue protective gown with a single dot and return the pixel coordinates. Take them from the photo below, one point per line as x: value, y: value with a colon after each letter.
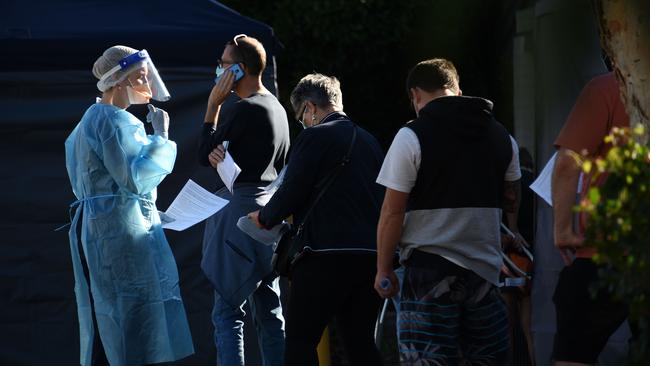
x: 114, y: 168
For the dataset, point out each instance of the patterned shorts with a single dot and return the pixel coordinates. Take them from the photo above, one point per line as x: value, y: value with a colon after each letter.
x: 449, y: 316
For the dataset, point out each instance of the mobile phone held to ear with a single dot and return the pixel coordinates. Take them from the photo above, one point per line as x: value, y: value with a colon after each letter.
x: 239, y: 73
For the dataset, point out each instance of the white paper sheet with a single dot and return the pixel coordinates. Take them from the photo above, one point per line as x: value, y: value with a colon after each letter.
x: 228, y: 171
x: 542, y: 185
x: 192, y: 205
x: 266, y: 237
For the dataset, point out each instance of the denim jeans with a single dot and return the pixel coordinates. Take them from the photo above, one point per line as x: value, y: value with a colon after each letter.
x: 266, y: 309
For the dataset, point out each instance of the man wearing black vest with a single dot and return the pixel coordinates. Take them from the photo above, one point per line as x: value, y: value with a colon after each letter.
x: 448, y: 175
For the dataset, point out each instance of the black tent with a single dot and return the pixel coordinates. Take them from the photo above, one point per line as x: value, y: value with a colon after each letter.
x: 48, y: 48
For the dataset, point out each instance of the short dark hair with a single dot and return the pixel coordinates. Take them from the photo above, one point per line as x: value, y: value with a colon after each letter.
x: 251, y: 53
x: 431, y: 75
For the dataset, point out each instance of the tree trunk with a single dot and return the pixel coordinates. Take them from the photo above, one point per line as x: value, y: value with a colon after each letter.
x: 625, y: 36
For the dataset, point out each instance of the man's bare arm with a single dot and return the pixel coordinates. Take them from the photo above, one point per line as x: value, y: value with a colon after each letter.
x: 389, y: 233
x: 511, y: 201
x: 566, y: 173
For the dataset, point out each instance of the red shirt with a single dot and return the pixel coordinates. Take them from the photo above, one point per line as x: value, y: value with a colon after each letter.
x: 598, y: 109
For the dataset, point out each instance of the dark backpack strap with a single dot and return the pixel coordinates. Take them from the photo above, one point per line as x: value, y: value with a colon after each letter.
x: 331, y: 176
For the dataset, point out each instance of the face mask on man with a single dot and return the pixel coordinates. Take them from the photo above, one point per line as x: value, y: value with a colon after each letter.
x: 220, y: 71
x: 138, y: 94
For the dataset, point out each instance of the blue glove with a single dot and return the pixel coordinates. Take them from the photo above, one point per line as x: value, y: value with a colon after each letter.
x: 159, y: 119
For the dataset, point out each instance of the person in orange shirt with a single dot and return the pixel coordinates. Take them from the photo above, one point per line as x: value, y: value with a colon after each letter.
x: 584, y: 323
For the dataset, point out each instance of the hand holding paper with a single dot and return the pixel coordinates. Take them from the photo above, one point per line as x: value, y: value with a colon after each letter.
x: 228, y: 170
x: 192, y: 205
x: 267, y: 237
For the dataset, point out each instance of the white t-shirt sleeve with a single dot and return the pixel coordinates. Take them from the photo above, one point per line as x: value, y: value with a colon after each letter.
x: 514, y: 172
x: 400, y: 168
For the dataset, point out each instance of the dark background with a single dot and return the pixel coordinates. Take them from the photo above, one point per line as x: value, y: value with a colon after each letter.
x: 47, y: 51
x: 370, y: 45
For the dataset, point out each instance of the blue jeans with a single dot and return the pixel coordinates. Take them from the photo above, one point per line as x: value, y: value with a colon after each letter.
x: 267, y: 318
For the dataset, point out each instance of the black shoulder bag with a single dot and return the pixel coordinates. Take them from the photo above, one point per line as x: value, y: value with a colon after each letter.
x: 291, y: 246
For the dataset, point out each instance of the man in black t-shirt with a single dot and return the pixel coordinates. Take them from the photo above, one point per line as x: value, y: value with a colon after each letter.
x: 238, y: 267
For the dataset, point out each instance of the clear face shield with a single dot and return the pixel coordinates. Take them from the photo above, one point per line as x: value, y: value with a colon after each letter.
x: 143, y: 79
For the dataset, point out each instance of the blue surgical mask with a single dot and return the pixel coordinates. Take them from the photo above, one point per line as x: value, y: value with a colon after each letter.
x: 219, y: 72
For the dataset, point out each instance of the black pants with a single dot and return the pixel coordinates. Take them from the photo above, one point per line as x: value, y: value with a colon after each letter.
x: 584, y: 322
x: 338, y: 286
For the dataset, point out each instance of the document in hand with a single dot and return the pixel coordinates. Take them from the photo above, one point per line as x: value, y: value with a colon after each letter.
x: 542, y: 185
x: 192, y: 205
x: 266, y: 237
x: 228, y: 171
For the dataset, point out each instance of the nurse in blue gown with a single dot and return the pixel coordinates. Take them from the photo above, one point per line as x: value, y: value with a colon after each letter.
x: 126, y: 280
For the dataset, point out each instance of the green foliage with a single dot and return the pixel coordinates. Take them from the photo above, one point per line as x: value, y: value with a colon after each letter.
x: 619, y: 214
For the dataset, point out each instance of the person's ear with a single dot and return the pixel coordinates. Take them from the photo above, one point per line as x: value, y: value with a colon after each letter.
x: 126, y: 82
x: 311, y: 112
x: 310, y: 108
x: 122, y: 84
x: 416, y: 99
x: 415, y: 95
